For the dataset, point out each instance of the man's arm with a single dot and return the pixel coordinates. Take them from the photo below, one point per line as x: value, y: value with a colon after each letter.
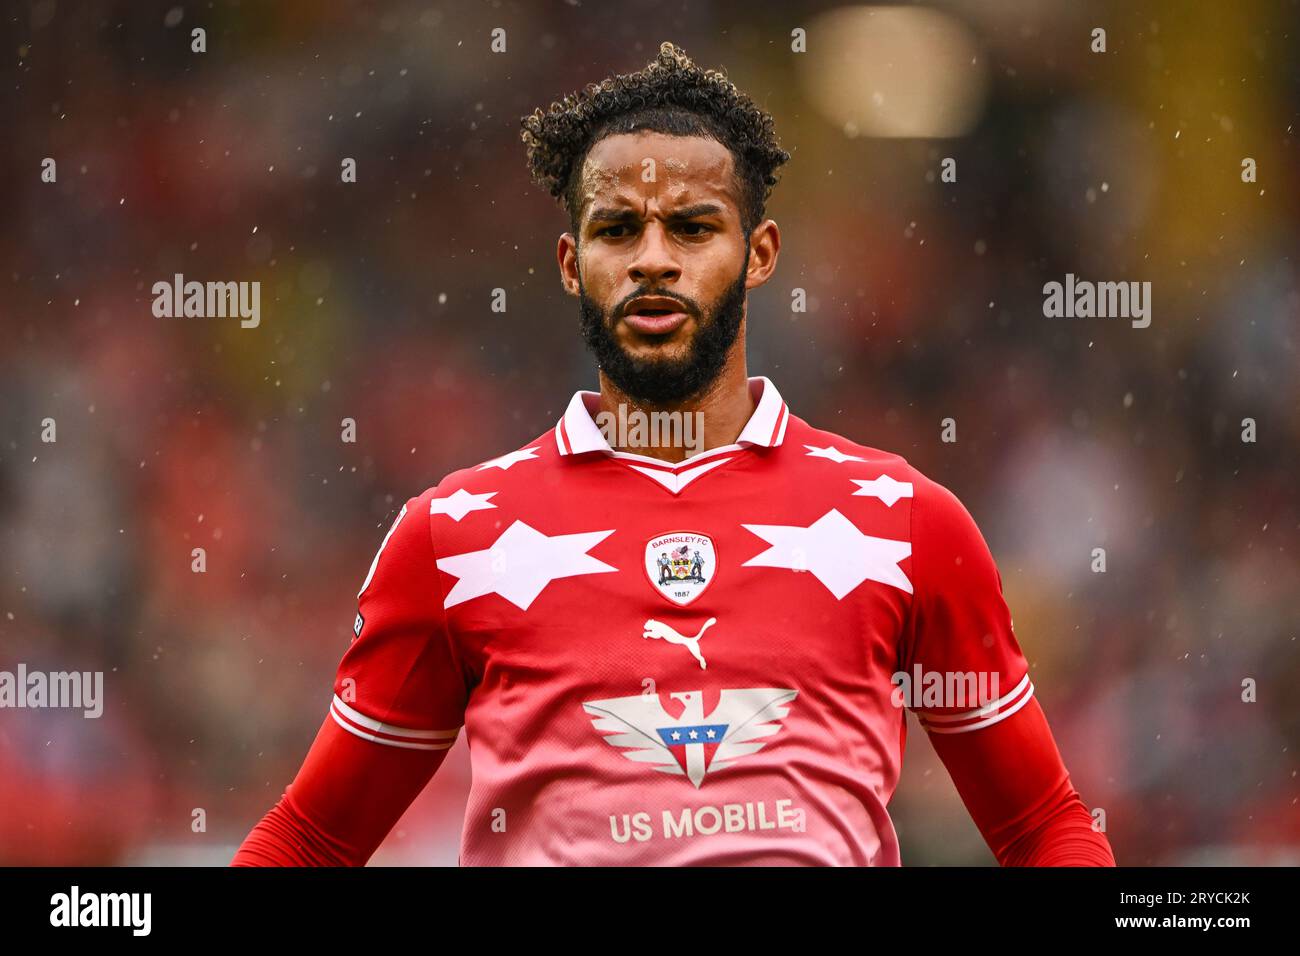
x: 1018, y: 792
x: 346, y: 798
x: 1001, y: 756
x: 399, y: 700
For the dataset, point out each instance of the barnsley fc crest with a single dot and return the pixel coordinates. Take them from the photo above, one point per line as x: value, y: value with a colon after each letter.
x: 681, y: 564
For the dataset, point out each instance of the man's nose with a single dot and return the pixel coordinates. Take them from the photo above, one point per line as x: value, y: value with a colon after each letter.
x: 654, y: 261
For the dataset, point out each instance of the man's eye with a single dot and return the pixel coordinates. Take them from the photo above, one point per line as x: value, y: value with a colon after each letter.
x: 689, y: 228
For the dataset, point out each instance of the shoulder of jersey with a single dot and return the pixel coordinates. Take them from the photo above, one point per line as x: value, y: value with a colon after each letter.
x: 818, y: 449
x: 878, y: 474
x: 473, y: 488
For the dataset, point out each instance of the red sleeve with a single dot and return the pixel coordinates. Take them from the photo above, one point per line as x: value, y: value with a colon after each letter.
x: 998, y: 747
x: 399, y: 702
x: 346, y: 798
x: 1018, y: 792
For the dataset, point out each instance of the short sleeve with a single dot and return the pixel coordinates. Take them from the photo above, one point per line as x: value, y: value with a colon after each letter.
x: 962, y: 665
x: 400, y: 682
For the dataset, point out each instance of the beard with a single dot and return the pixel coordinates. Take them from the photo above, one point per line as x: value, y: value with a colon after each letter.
x: 659, y: 381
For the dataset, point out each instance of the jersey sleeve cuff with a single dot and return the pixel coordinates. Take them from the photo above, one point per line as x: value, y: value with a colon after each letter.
x: 376, y: 731
x: 986, y: 716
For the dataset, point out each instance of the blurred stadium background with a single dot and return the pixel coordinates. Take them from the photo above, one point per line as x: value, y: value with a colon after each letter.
x: 925, y: 302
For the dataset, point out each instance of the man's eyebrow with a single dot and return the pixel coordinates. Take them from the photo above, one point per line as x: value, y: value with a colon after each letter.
x: 627, y: 214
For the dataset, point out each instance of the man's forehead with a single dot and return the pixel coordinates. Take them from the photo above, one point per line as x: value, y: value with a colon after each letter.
x: 685, y: 169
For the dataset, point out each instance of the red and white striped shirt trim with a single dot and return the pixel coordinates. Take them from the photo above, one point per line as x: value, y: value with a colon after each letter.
x: 367, y: 728
x: 985, y: 716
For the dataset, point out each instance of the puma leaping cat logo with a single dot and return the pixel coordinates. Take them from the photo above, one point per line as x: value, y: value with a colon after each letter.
x: 662, y: 632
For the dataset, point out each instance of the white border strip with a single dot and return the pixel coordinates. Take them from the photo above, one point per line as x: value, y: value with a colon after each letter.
x: 417, y: 739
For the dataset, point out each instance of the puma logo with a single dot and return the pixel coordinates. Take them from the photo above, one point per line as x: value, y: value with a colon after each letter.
x: 662, y: 632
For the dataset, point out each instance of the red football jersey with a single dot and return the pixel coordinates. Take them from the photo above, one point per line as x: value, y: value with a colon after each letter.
x: 679, y: 664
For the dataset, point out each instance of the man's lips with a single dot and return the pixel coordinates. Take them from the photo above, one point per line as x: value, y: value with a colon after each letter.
x: 655, y: 322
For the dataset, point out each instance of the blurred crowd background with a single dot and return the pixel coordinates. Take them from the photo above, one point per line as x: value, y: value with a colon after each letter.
x: 925, y: 303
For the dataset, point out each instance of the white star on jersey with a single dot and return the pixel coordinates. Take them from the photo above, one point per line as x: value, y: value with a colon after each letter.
x: 839, y: 555
x: 831, y: 452
x: 461, y: 503
x: 885, y: 488
x: 505, y: 461
x: 521, y: 563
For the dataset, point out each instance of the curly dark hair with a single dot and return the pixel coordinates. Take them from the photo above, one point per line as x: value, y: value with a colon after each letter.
x: 671, y: 95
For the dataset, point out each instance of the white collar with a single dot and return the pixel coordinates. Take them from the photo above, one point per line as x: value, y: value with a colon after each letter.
x: 577, y: 432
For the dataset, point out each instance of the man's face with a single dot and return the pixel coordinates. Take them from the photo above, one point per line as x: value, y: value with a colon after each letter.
x: 660, y: 218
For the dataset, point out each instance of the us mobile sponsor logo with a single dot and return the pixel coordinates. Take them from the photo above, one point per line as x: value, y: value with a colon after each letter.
x: 694, y: 744
x: 103, y: 909
x: 708, y: 820
x: 82, y: 690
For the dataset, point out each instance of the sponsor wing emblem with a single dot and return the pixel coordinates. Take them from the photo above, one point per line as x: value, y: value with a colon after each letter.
x: 692, y: 745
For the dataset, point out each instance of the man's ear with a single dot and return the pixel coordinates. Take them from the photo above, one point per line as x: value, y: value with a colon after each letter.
x: 566, y: 253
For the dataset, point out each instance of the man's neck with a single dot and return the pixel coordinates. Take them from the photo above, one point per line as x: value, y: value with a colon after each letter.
x: 714, y: 418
